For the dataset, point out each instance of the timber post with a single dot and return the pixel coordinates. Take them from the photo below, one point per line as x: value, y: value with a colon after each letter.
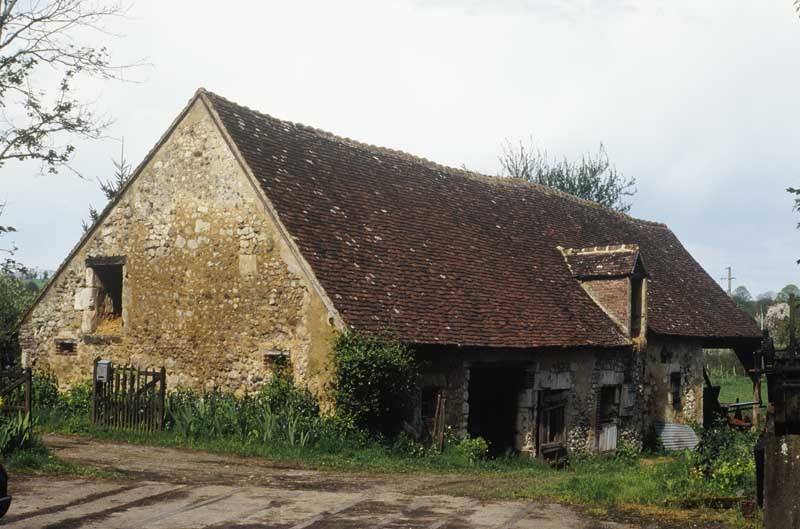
x: 93, y: 412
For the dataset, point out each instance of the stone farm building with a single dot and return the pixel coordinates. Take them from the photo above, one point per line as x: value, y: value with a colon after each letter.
x: 547, y: 322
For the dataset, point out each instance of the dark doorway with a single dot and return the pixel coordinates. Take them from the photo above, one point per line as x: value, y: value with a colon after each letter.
x: 493, y: 397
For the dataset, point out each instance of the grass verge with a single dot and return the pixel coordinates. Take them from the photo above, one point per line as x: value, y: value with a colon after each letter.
x: 39, y: 460
x: 632, y: 490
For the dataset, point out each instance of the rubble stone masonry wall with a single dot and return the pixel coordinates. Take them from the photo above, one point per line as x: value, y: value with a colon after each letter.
x: 674, y: 366
x: 210, y: 288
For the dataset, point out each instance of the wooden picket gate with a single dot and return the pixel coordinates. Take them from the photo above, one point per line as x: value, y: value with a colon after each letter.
x: 129, y: 398
x: 16, y: 389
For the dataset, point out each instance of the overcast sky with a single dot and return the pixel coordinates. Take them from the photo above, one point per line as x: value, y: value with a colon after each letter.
x: 698, y: 100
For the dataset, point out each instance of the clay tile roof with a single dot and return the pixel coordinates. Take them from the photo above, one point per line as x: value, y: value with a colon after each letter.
x: 603, y: 261
x: 441, y: 255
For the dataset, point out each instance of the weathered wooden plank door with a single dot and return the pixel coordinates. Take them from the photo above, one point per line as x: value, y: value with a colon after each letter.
x: 608, y: 437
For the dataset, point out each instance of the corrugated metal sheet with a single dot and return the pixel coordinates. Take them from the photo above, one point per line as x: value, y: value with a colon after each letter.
x: 676, y: 436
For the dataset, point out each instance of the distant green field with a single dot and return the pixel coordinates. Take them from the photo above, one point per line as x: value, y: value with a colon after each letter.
x: 738, y: 387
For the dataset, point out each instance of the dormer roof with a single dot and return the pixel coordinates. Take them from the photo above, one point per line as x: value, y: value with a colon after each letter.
x: 605, y: 262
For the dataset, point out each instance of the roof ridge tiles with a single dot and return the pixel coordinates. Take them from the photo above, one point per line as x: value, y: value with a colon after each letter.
x: 612, y: 248
x: 413, y: 158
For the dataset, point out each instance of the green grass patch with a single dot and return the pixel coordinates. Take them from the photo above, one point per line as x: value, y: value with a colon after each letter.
x: 737, y: 387
x: 39, y: 460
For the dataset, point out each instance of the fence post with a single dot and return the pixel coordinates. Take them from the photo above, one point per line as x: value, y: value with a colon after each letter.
x: 28, y: 390
x: 162, y: 392
x: 93, y: 413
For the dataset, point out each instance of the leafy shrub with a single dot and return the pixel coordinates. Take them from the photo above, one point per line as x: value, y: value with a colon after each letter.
x: 68, y: 410
x: 627, y: 450
x: 77, y: 399
x: 724, y: 464
x: 45, y: 389
x: 405, y: 445
x: 375, y: 378
x: 279, y: 412
x: 16, y: 433
x: 472, y: 449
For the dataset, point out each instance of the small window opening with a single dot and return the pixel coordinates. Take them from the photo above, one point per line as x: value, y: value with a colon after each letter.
x: 110, y: 295
x: 675, y: 390
x: 276, y: 360
x: 108, y: 301
x: 66, y: 347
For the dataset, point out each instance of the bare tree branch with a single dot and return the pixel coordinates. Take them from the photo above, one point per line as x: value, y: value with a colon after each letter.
x: 38, y: 37
x: 592, y: 178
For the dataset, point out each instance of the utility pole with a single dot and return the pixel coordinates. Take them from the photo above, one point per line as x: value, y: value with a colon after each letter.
x: 792, y: 325
x: 730, y: 279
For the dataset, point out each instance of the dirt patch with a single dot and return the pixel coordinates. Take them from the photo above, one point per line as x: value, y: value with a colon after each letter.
x: 141, y: 462
x: 255, y: 494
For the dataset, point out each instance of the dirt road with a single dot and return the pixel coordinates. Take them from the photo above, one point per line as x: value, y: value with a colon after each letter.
x: 169, y: 488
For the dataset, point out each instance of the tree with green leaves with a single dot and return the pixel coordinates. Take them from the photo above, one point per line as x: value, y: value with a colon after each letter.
x: 783, y: 295
x: 593, y: 177
x: 15, y: 296
x: 741, y: 293
x: 744, y: 300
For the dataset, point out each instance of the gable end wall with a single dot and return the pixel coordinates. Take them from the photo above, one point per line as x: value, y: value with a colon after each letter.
x: 211, y: 289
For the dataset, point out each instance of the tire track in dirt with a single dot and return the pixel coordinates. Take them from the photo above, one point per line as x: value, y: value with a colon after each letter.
x: 79, y: 521
x: 63, y: 506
